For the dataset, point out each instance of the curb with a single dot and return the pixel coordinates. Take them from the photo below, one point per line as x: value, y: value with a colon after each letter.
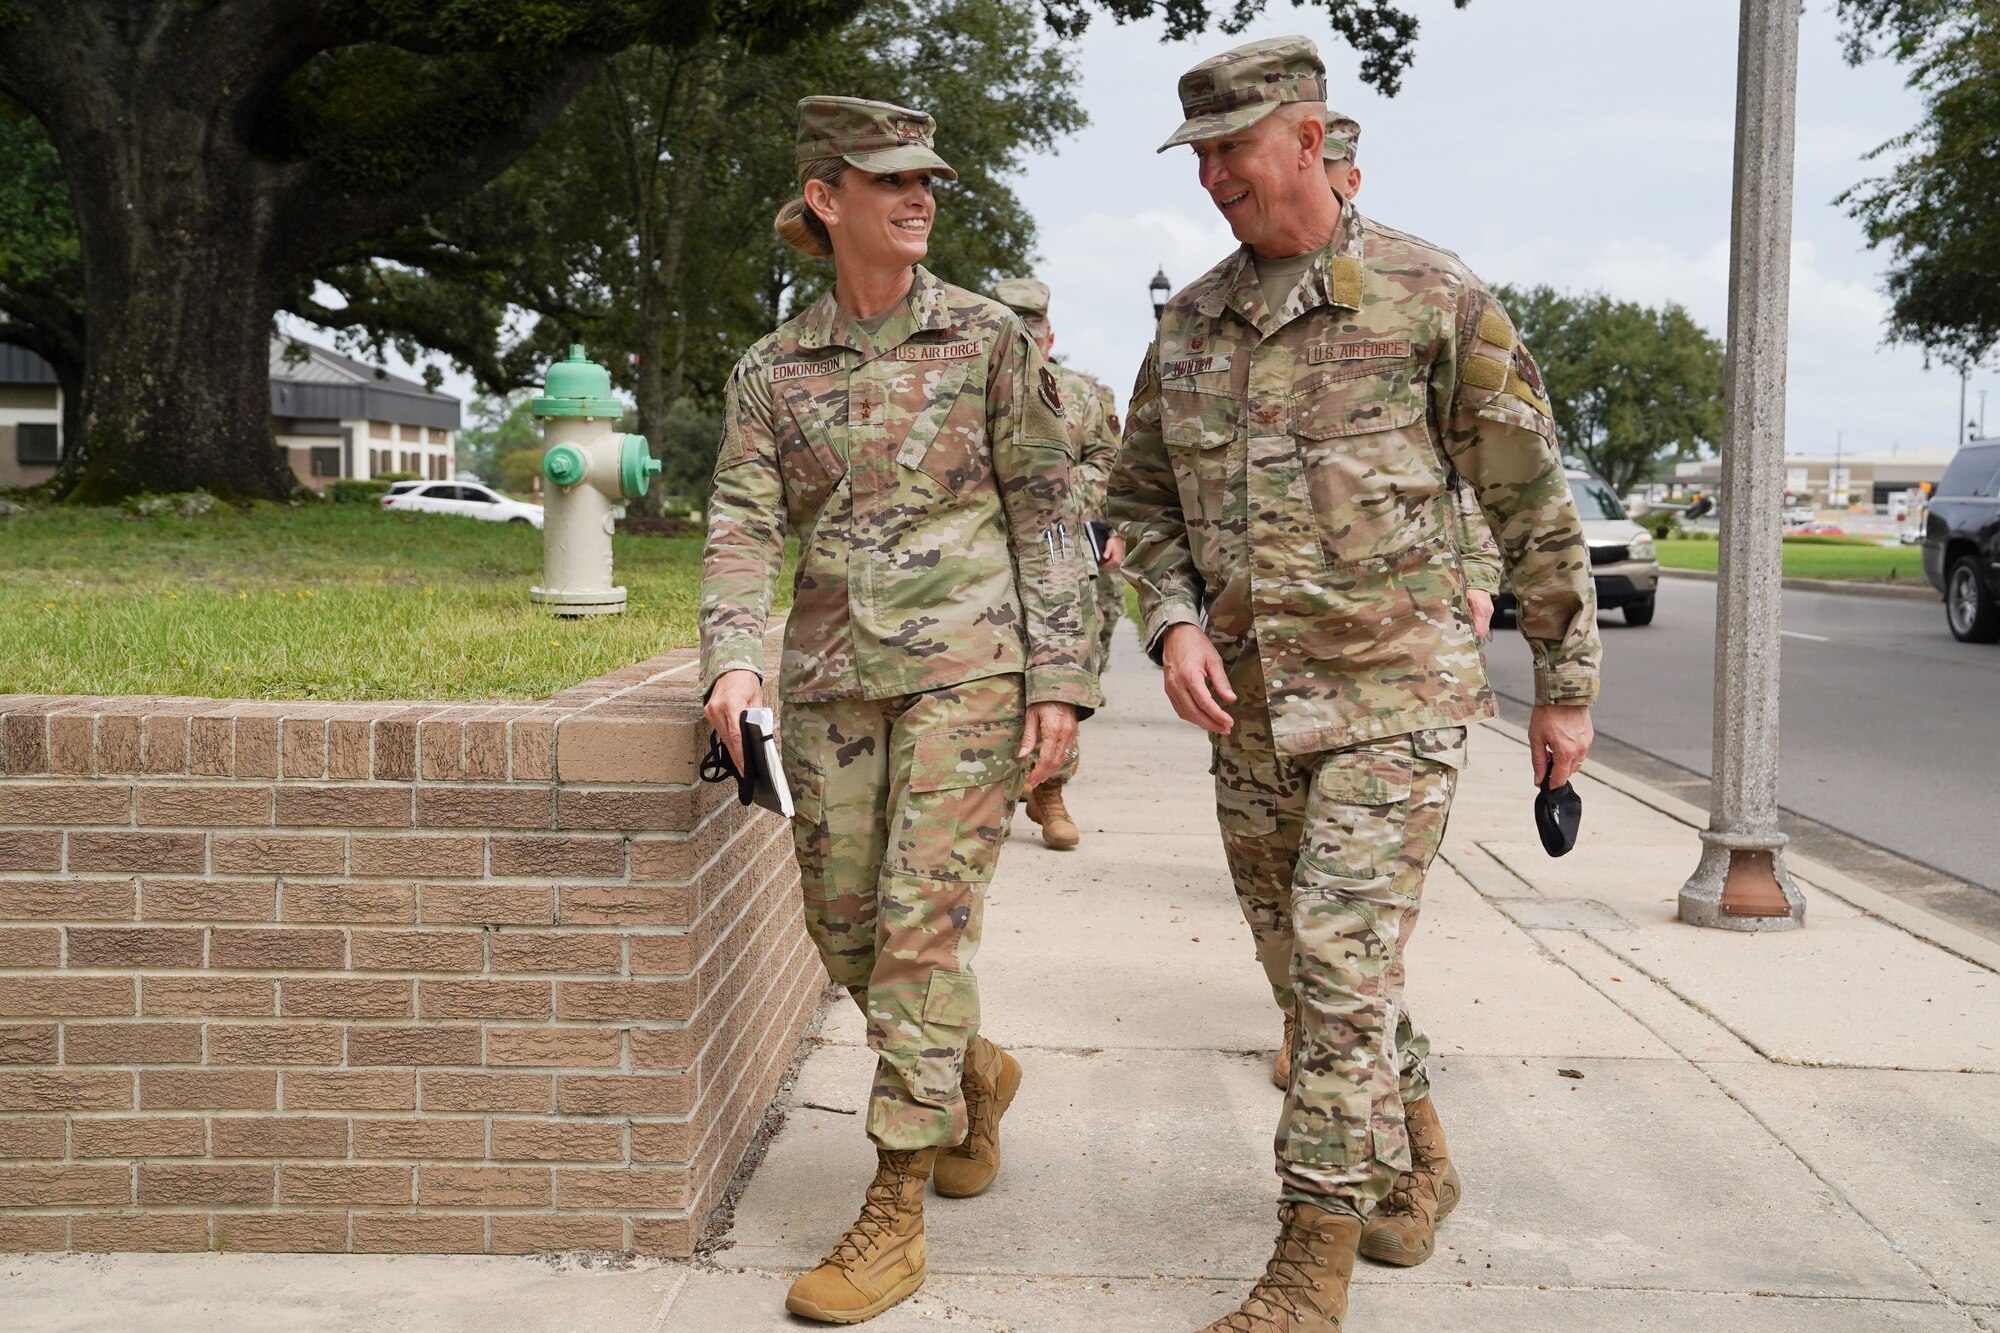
x: 1906, y: 917
x: 1894, y: 591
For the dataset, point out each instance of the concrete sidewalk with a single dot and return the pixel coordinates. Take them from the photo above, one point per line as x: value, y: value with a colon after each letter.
x: 1657, y: 1127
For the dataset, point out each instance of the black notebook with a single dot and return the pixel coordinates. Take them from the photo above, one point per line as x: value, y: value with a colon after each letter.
x: 1099, y: 533
x: 763, y: 779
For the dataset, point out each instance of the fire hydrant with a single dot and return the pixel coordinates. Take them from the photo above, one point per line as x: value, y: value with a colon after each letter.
x: 590, y: 467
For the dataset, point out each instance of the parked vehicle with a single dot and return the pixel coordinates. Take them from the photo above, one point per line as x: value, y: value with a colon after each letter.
x: 1962, y: 543
x: 1623, y: 562
x: 468, y: 500
x: 1797, y: 514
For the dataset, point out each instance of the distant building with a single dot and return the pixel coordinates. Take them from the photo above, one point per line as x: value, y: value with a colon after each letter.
x: 334, y: 417
x: 30, y: 417
x: 1872, y: 475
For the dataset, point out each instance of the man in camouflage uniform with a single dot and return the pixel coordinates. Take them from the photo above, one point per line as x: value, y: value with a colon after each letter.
x: 1284, y: 488
x: 1092, y: 413
x: 919, y: 455
x: 1478, y: 553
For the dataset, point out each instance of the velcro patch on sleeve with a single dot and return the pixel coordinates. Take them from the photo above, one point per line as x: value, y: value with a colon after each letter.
x: 792, y: 370
x: 1195, y: 365
x: 1494, y: 328
x: 1358, y: 349
x: 1483, y: 372
x: 957, y: 351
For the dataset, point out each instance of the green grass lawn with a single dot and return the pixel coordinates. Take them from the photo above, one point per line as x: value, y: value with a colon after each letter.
x: 1811, y: 558
x: 318, y: 602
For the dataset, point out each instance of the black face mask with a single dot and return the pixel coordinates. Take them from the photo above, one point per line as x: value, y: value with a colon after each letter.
x: 1558, y: 816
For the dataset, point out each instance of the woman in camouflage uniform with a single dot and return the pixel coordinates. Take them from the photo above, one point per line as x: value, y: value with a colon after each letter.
x: 909, y: 435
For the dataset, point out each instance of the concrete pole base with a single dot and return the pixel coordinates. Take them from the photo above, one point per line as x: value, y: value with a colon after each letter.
x: 1742, y: 884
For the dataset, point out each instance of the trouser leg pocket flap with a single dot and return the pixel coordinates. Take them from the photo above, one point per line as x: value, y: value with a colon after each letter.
x: 952, y: 1000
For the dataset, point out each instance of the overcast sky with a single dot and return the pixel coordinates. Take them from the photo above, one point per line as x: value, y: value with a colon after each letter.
x: 1582, y: 143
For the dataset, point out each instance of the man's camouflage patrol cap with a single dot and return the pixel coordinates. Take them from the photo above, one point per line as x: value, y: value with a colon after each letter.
x: 1238, y: 88
x: 1023, y: 296
x: 873, y: 136
x: 1343, y: 138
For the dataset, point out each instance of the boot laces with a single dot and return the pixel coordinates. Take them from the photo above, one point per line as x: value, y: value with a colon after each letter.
x: 1402, y: 1200
x: 878, y: 1215
x: 1281, y: 1290
x: 978, y: 1101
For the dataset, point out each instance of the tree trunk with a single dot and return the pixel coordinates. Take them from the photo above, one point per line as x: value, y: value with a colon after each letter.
x: 659, y: 292
x: 176, y: 387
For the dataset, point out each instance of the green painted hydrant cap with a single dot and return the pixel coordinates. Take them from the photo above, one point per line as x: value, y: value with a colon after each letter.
x: 564, y: 464
x: 636, y: 467
x: 577, y: 387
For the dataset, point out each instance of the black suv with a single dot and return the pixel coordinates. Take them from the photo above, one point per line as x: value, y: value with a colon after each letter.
x: 1962, y: 543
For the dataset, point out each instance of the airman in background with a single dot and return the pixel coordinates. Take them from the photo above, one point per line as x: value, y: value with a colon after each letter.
x: 1092, y: 413
x: 1285, y: 490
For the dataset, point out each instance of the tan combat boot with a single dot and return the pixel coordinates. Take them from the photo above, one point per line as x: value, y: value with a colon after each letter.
x: 881, y: 1258
x: 1403, y: 1230
x: 1304, y: 1287
x: 992, y: 1077
x: 1281, y: 1063
x: 1045, y: 807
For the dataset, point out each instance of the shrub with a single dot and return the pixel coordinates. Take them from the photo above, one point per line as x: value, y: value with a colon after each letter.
x: 357, y: 491
x: 1662, y: 523
x: 396, y: 476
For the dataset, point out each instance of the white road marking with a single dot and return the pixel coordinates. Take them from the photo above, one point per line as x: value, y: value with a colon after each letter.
x: 1794, y: 634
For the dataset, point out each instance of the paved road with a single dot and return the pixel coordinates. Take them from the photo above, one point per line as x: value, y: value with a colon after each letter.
x: 1891, y: 728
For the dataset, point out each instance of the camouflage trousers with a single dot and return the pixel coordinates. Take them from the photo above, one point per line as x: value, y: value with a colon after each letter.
x: 1106, y: 608
x: 1328, y: 852
x: 902, y: 805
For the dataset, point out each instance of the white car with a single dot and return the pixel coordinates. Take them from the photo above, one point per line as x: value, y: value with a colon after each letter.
x: 1796, y: 514
x: 1624, y: 564
x: 468, y: 499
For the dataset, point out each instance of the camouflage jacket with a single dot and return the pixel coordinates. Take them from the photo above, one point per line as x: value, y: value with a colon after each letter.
x: 1478, y: 553
x: 925, y: 471
x: 1290, y: 474
x: 1092, y: 413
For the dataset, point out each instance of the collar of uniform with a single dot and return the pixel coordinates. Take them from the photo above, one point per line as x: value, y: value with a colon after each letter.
x: 827, y: 325
x: 1334, y: 278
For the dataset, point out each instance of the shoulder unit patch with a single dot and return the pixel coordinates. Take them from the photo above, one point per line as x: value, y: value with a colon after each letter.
x: 1051, y: 395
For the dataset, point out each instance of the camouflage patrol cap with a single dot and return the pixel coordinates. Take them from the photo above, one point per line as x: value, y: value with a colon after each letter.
x: 1023, y: 296
x: 1343, y: 138
x: 873, y: 136
x: 1238, y: 88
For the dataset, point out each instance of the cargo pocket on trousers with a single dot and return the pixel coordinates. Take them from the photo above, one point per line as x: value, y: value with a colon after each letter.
x: 955, y: 806
x: 1355, y: 820
x: 952, y: 1000
x: 810, y: 835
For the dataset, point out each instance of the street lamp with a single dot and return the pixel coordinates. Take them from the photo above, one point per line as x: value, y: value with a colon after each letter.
x: 1741, y: 882
x: 1160, y: 289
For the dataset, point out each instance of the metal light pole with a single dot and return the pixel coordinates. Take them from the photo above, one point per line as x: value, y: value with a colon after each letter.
x: 1160, y: 289
x: 1741, y: 882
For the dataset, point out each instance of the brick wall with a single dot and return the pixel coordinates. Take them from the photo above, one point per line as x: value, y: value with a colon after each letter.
x: 383, y: 977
